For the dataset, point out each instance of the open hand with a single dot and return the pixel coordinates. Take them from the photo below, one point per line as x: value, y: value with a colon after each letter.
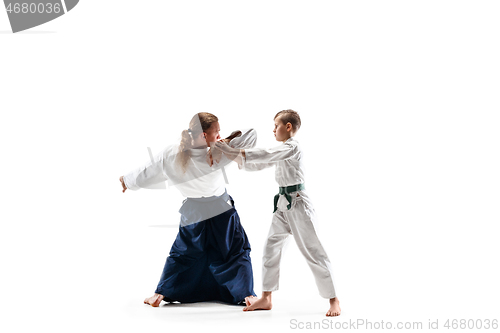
x: 123, y: 184
x: 222, y: 147
x: 215, y: 154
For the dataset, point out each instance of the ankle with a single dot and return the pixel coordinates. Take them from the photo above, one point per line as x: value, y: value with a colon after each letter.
x: 267, y: 294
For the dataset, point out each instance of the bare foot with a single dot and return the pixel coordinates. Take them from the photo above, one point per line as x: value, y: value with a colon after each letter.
x: 154, y: 300
x: 263, y: 303
x: 250, y: 300
x: 334, y: 308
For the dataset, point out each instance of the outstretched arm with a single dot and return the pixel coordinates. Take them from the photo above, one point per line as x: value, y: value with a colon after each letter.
x: 149, y: 174
x: 239, y: 156
x: 272, y: 155
x: 237, y: 140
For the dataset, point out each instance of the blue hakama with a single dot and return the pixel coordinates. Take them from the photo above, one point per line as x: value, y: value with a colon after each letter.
x: 210, y: 259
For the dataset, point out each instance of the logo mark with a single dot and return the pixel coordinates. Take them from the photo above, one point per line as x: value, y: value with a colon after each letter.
x: 28, y: 14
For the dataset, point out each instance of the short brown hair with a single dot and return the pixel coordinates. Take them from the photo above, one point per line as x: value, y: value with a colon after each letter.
x: 289, y: 116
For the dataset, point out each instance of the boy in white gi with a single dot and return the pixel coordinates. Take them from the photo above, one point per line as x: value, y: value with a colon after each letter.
x: 293, y: 212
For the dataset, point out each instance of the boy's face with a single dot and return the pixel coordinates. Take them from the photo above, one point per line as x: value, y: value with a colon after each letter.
x: 281, y: 131
x: 212, y: 134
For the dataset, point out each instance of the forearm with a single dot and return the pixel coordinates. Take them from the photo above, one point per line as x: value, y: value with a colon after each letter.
x: 247, y: 139
x: 233, y: 135
x: 223, y: 154
x: 237, y: 155
x: 255, y: 166
x: 128, y: 181
x: 271, y: 155
x: 149, y: 174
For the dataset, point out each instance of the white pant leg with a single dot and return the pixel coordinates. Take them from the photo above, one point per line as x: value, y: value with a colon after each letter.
x: 276, y: 240
x: 302, y: 218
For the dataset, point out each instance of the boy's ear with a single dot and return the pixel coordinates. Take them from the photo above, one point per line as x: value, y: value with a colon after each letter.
x: 289, y: 127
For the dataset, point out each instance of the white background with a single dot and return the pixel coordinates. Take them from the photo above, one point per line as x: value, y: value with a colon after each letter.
x: 400, y: 109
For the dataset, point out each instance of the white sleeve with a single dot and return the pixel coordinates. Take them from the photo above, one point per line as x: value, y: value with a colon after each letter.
x: 248, y: 139
x: 280, y: 153
x: 150, y: 173
x: 254, y: 166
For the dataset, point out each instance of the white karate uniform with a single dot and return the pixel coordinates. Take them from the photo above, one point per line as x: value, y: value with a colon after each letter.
x: 298, y: 221
x: 199, y: 180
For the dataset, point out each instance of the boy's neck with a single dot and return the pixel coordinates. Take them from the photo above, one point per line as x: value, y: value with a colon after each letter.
x: 285, y: 140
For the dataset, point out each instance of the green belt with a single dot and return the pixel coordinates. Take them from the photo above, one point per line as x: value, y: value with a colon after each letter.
x: 285, y: 191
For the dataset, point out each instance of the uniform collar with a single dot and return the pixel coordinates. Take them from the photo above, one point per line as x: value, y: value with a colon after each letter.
x: 199, y: 151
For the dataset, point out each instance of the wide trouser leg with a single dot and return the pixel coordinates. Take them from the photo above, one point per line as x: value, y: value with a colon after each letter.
x: 273, y: 250
x: 185, y: 276
x: 209, y: 260
x: 302, y: 219
x: 229, y: 257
